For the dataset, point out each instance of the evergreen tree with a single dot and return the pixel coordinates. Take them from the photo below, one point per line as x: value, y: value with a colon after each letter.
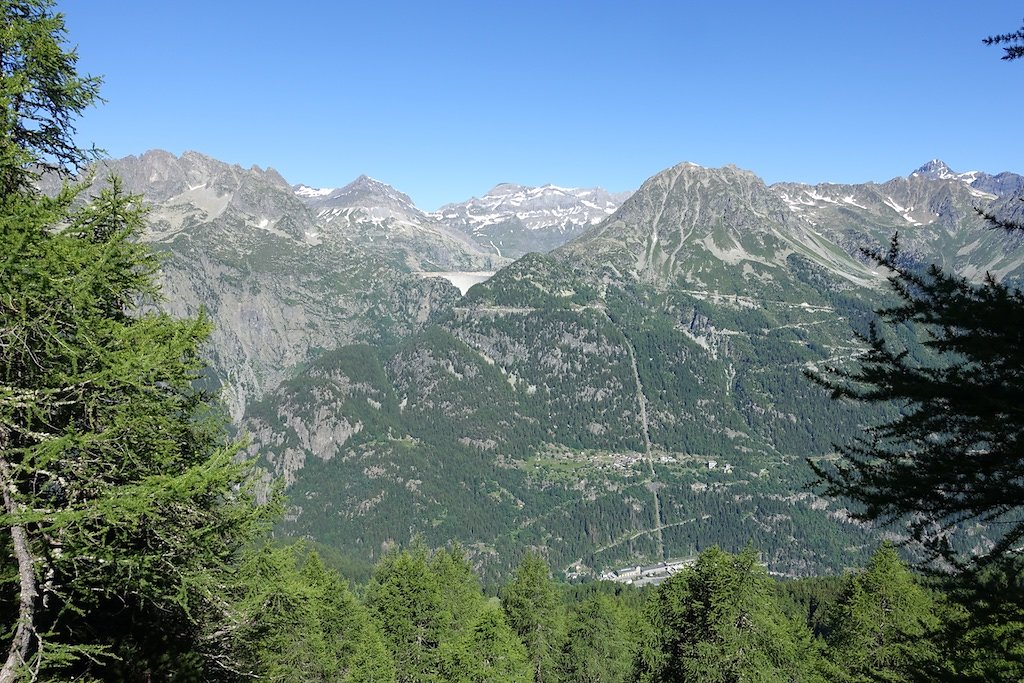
x: 301, y: 623
x: 123, y: 506
x: 280, y: 636
x: 954, y: 452
x: 983, y: 638
x: 41, y: 95
x: 406, y: 599
x: 1012, y: 43
x: 121, y: 494
x: 353, y: 641
x: 533, y: 611
x: 488, y: 651
x: 718, y: 621
x: 461, y: 595
x: 597, y: 647
x: 884, y: 626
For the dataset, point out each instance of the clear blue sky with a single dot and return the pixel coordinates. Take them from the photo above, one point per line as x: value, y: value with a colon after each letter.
x: 445, y: 99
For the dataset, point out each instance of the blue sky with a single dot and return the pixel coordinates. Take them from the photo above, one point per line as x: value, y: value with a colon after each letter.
x: 443, y: 100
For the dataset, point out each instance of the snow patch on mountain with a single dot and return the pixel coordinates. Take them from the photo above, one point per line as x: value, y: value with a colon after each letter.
x: 306, y: 191
x: 535, y: 208
x: 938, y: 170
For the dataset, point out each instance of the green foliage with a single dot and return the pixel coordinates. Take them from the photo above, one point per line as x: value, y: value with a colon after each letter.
x: 809, y: 600
x: 124, y: 505
x: 296, y: 621
x: 884, y: 625
x: 461, y: 594
x: 533, y: 611
x: 598, y: 647
x: 1012, y: 42
x: 953, y: 454
x: 983, y: 638
x: 407, y: 602
x: 719, y: 621
x: 41, y: 95
x: 118, y: 471
x: 487, y: 651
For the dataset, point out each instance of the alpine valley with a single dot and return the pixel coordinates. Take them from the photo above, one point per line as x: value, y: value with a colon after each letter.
x: 630, y: 389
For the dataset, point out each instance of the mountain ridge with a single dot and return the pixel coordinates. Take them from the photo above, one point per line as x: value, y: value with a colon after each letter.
x: 638, y: 392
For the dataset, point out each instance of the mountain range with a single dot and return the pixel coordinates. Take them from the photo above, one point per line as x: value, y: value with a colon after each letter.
x: 628, y: 389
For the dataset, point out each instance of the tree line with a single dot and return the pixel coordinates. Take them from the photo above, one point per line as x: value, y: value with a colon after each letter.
x: 423, y: 616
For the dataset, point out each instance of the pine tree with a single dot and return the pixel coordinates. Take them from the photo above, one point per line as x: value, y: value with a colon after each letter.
x: 120, y: 492
x: 295, y: 620
x: 279, y: 636
x: 1012, y: 43
x: 487, y: 651
x: 354, y: 643
x: 884, y: 626
x: 955, y: 452
x: 983, y: 630
x: 407, y: 602
x: 718, y: 622
x: 123, y: 505
x: 461, y: 595
x: 597, y: 646
x: 41, y: 95
x: 533, y: 611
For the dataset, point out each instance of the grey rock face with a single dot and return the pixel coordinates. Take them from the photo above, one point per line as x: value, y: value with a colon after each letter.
x: 369, y: 212
x: 696, y: 224
x: 934, y: 211
x: 683, y: 220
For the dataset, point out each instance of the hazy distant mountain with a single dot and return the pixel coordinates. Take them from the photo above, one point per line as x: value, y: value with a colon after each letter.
x: 699, y: 225
x: 1002, y: 184
x: 683, y: 221
x: 512, y: 220
x: 363, y: 192
x: 934, y: 211
x: 367, y: 211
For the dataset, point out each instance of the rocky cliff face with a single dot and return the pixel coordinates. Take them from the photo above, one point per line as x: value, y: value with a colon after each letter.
x: 934, y: 210
x: 697, y: 224
x: 367, y: 213
x: 686, y: 221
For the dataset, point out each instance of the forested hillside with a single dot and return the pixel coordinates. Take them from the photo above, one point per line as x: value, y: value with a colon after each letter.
x: 637, y: 395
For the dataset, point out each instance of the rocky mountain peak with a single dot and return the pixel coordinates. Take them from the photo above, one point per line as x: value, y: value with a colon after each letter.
x: 502, y: 189
x: 687, y: 187
x: 937, y: 169
x: 514, y: 219
x: 700, y: 223
x: 1006, y: 186
x: 272, y: 176
x: 362, y: 193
